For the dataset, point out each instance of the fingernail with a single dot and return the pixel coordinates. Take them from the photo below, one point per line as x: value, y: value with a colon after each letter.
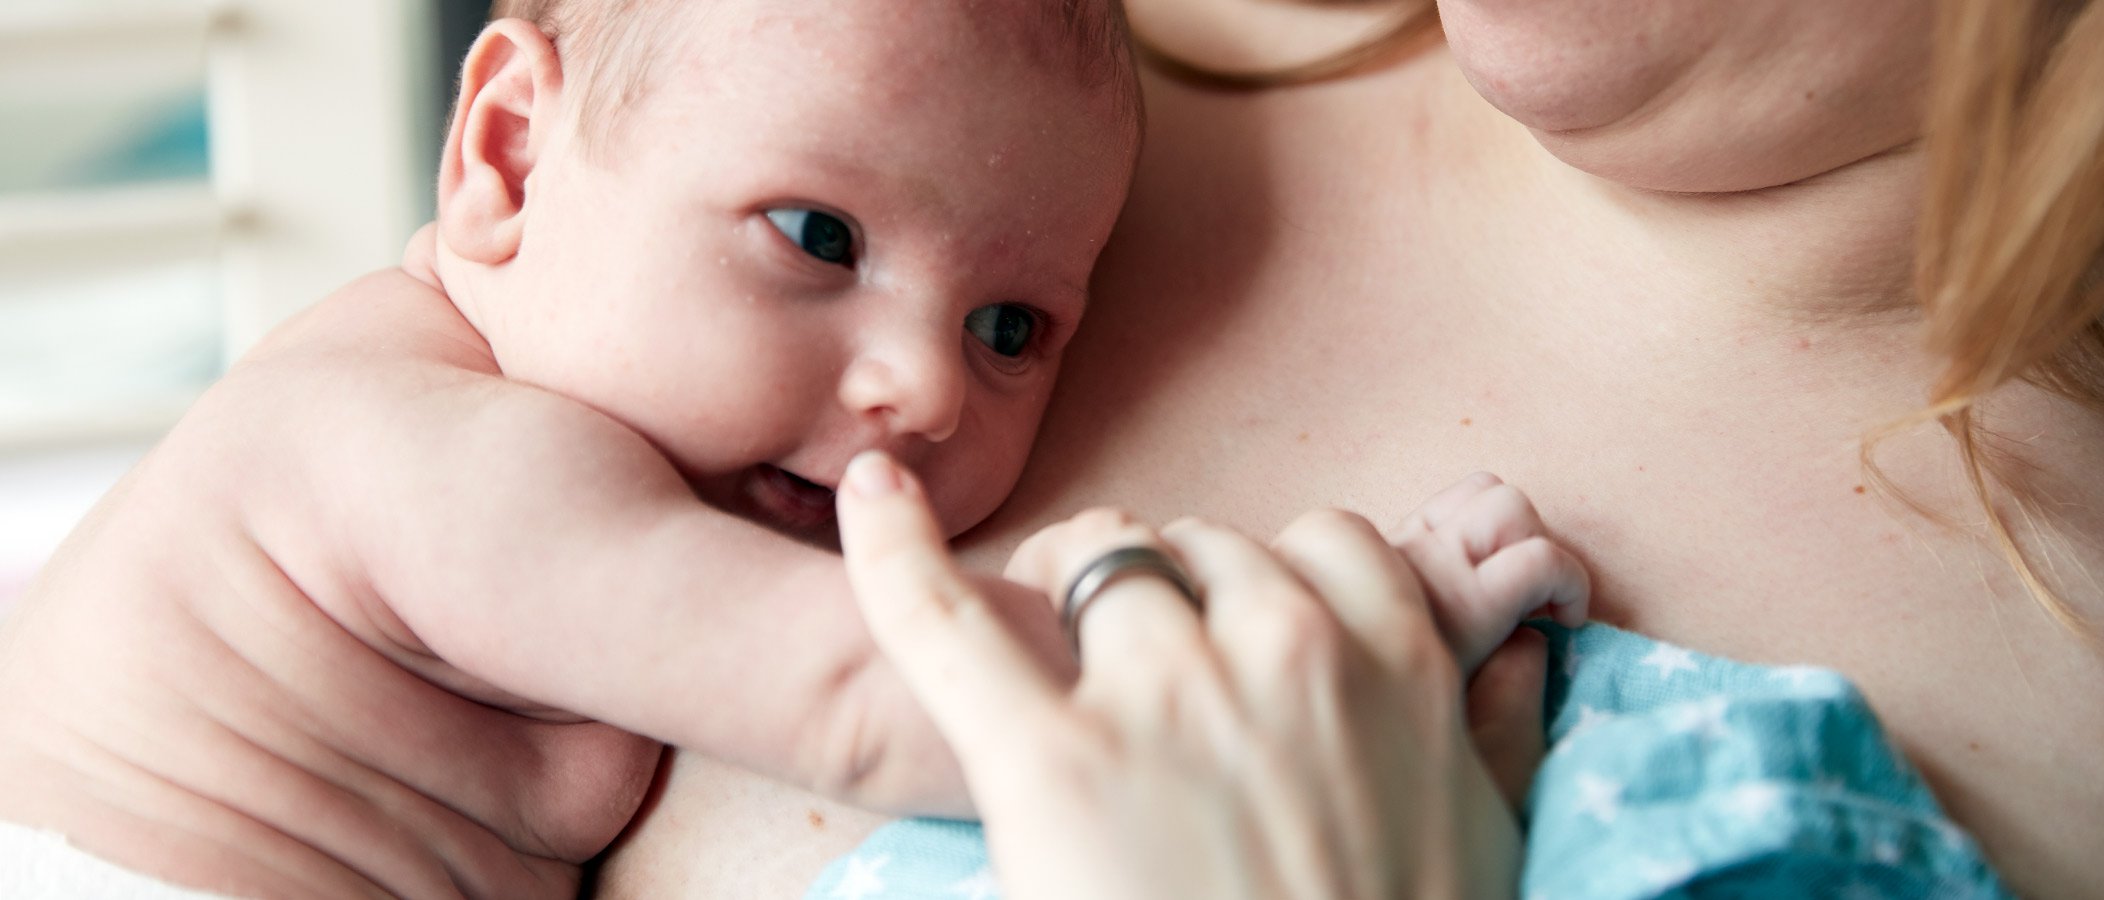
x: 872, y: 474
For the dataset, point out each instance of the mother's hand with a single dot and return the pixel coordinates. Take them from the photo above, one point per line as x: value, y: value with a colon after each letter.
x: 1304, y: 737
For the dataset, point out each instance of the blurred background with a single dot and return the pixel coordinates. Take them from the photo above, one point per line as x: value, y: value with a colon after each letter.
x: 176, y: 177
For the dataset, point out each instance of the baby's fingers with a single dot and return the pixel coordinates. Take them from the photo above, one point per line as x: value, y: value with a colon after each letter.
x: 1438, y: 511
x: 1534, y: 574
x: 974, y: 678
x: 1497, y: 517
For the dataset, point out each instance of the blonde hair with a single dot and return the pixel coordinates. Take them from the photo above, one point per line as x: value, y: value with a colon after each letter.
x: 2010, y: 267
x: 607, y: 47
x: 2010, y: 250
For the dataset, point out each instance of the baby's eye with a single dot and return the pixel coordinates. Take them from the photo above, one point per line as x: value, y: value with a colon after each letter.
x: 1003, y: 327
x: 821, y: 235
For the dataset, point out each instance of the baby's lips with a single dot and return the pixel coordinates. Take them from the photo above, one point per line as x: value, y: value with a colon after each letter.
x: 789, y: 502
x: 803, y: 489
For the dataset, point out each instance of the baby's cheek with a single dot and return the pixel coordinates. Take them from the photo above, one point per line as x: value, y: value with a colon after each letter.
x: 972, y: 473
x: 964, y: 493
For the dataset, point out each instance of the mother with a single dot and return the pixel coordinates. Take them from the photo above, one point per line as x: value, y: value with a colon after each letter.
x: 1657, y: 263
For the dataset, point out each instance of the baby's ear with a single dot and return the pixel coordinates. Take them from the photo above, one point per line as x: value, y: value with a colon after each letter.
x: 510, y: 101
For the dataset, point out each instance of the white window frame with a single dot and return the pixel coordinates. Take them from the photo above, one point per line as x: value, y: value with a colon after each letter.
x: 320, y: 116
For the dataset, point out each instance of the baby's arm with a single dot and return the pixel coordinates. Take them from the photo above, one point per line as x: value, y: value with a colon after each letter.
x: 1487, y: 564
x: 525, y: 550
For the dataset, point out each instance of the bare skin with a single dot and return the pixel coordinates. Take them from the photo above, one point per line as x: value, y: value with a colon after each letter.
x: 1288, y: 317
x: 314, y: 761
x: 406, y: 605
x: 355, y: 639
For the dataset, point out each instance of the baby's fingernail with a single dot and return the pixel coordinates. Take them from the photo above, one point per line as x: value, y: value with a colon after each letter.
x: 872, y: 474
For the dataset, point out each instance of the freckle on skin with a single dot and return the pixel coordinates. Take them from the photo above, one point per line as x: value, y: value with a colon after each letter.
x: 1303, y: 437
x: 1467, y: 422
x: 817, y: 819
x: 1860, y: 489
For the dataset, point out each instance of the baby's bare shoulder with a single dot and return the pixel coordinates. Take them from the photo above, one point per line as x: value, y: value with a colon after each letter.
x: 383, y: 382
x: 376, y: 425
x: 246, y: 554
x: 389, y: 363
x: 386, y: 354
x: 382, y: 324
x: 346, y: 366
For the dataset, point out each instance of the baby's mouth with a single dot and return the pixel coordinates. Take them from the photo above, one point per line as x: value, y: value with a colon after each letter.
x: 792, y: 502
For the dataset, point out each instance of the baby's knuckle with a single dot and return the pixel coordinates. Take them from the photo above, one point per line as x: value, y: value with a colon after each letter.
x: 1507, y: 502
x: 1536, y: 555
x: 1502, y: 498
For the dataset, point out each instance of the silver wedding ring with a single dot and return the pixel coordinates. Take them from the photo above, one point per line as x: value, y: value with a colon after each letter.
x: 1103, y: 570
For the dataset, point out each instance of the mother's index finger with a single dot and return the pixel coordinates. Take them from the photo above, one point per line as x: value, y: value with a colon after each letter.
x: 956, y: 655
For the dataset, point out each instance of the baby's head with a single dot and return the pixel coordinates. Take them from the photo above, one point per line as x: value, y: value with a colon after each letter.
x: 770, y: 234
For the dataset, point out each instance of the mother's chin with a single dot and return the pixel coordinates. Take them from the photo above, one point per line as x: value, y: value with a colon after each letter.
x: 1698, y: 96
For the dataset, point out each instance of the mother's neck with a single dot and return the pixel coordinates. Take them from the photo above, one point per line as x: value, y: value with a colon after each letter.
x: 1834, y: 249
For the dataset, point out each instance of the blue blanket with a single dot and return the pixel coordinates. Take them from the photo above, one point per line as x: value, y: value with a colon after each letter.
x: 1669, y: 773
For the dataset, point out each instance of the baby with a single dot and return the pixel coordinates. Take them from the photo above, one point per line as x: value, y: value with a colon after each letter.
x: 411, y: 601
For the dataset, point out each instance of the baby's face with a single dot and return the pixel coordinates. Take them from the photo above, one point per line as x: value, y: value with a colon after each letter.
x: 826, y: 228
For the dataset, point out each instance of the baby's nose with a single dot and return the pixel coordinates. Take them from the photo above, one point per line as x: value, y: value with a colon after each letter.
x: 913, y: 385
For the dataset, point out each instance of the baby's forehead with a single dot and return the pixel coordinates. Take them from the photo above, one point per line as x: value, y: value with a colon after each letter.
x: 822, y: 40
x: 621, y: 54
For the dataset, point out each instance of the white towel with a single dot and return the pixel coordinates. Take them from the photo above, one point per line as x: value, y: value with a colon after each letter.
x: 41, y: 865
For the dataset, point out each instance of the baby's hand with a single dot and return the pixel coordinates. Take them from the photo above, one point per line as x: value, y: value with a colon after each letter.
x: 1486, y: 565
